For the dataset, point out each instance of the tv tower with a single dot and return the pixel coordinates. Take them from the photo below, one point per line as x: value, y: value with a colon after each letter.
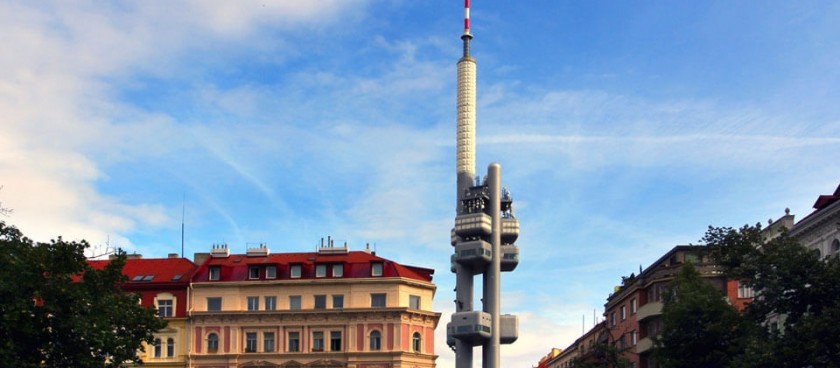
x: 484, y: 235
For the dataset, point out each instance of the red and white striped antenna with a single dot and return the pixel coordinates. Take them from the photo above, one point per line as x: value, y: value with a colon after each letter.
x: 466, y: 17
x: 467, y: 36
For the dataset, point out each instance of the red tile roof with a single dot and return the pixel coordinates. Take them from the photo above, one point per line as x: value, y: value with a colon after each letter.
x: 824, y: 201
x: 357, y: 264
x: 154, y: 270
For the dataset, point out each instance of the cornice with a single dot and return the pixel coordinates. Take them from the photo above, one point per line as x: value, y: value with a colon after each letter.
x: 815, y: 219
x: 317, y: 281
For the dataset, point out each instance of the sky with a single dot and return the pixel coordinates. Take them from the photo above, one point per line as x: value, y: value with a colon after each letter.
x: 622, y: 128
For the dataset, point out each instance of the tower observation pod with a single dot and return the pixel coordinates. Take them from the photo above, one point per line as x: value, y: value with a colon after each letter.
x: 484, y: 235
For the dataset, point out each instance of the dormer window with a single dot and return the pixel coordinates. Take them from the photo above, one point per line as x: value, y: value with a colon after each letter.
x: 321, y: 270
x: 271, y: 272
x: 338, y: 270
x: 213, y: 273
x: 295, y: 271
x: 376, y: 269
x: 254, y: 272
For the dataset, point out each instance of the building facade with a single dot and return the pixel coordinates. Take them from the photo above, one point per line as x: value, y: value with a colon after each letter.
x: 330, y: 308
x: 820, y: 230
x: 582, y: 350
x: 162, y: 284
x: 634, y: 311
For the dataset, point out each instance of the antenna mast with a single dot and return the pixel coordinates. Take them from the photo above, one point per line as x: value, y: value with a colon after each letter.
x: 183, y: 210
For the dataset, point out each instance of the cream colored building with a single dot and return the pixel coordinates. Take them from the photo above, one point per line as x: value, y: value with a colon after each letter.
x: 331, y: 308
x: 161, y: 284
x: 820, y: 230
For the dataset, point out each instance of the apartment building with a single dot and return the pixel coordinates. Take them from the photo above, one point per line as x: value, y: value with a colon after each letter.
x: 330, y: 308
x: 633, y: 312
x: 582, y: 350
x: 820, y: 230
x: 162, y: 284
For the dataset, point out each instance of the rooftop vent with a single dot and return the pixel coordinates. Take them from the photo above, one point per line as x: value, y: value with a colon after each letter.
x: 260, y: 251
x: 330, y: 248
x: 220, y: 251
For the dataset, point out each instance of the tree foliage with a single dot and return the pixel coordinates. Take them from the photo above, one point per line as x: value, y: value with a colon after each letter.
x: 793, y: 287
x: 700, y: 328
x: 603, y: 356
x: 57, y: 311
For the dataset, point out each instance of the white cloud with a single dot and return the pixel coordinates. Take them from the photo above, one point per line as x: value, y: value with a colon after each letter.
x: 62, y: 121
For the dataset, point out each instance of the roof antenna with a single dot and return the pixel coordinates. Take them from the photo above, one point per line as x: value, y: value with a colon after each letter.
x: 183, y: 210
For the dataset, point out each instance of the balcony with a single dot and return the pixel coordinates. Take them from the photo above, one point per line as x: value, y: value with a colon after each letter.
x: 473, y: 327
x: 472, y: 225
x: 644, y: 345
x: 509, y: 326
x: 476, y: 253
x: 510, y: 257
x: 649, y: 310
x: 510, y: 230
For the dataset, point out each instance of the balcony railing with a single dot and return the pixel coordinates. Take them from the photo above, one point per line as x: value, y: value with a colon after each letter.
x: 649, y: 310
x: 644, y: 345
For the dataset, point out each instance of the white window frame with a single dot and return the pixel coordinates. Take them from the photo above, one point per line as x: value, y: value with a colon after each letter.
x: 375, y: 341
x: 164, y: 297
x: 215, y: 348
x: 417, y: 342
x: 376, y: 269
x: 270, y: 303
x: 295, y: 271
x: 320, y: 270
x: 253, y: 303
x: 374, y: 298
x: 333, y: 339
x: 271, y: 272
x: 295, y: 299
x: 745, y: 291
x: 295, y: 339
x: 252, y: 275
x: 251, y: 343
x: 170, y: 347
x: 322, y: 298
x: 414, y: 302
x: 269, y: 348
x: 318, y: 341
x: 338, y: 270
x: 340, y: 299
x: 214, y: 273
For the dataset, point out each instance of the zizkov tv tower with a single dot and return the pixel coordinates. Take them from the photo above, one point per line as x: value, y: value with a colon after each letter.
x: 484, y: 235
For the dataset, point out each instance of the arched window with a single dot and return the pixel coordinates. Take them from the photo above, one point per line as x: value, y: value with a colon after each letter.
x: 157, y: 348
x: 375, y: 340
x: 416, y: 342
x: 212, y: 343
x: 835, y: 247
x: 170, y: 347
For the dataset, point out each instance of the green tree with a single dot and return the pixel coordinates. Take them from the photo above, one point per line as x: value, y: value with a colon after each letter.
x: 700, y: 327
x: 793, y: 286
x: 57, y: 311
x: 603, y: 356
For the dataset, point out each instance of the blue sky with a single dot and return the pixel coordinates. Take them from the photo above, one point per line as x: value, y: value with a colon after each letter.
x: 623, y: 129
